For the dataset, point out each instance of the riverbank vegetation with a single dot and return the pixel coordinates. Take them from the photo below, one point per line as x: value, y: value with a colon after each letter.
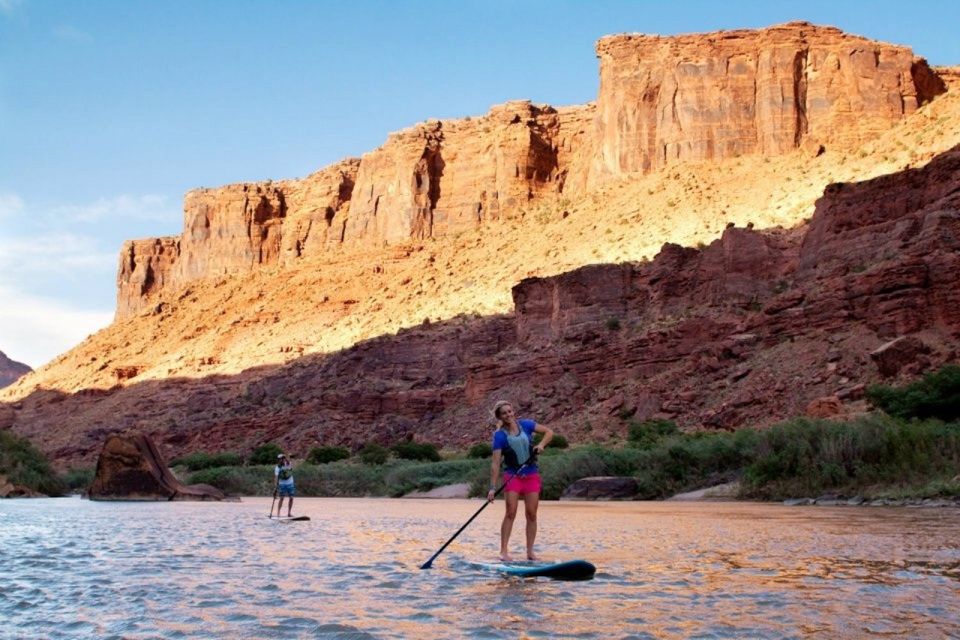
x: 26, y: 469
x: 908, y: 448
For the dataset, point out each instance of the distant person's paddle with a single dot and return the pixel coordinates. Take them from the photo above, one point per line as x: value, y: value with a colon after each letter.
x: 429, y: 563
x: 273, y: 503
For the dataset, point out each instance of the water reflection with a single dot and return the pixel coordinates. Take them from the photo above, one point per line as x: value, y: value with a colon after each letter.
x: 75, y: 569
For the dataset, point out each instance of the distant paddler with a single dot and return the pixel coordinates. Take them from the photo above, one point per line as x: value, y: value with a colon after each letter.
x: 283, y: 483
x: 513, y: 447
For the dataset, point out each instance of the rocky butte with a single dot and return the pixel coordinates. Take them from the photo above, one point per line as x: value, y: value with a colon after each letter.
x: 375, y: 300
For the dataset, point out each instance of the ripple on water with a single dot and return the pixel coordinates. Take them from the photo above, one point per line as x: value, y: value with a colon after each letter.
x: 340, y: 632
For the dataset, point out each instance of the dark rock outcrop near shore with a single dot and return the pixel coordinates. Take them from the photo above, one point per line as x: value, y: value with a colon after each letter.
x: 602, y: 488
x: 131, y: 467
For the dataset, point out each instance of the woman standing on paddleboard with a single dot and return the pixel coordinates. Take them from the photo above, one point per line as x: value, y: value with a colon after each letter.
x: 513, y: 447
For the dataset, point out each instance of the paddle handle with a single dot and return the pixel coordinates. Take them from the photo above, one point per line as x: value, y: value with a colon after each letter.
x: 428, y: 563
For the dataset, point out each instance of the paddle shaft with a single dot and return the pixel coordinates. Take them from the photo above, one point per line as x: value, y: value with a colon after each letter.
x: 273, y: 503
x: 428, y: 563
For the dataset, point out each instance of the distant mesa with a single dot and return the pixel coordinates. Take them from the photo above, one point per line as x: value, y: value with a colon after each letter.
x: 131, y: 467
x: 662, y: 100
x: 11, y: 370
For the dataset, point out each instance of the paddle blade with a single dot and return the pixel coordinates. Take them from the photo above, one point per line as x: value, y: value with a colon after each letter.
x: 426, y: 565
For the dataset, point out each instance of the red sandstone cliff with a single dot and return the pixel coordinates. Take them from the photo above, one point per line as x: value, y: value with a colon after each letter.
x: 279, y: 314
x: 661, y: 100
x: 757, y: 326
x: 733, y: 93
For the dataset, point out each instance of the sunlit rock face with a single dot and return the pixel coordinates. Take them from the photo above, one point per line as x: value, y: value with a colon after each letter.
x: 444, y: 176
x: 146, y: 267
x: 731, y: 93
x: 316, y: 211
x: 131, y: 467
x: 758, y: 323
x: 238, y: 228
x: 661, y: 100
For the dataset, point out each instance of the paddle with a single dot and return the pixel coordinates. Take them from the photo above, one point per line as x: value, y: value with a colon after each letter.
x: 273, y: 503
x: 429, y: 563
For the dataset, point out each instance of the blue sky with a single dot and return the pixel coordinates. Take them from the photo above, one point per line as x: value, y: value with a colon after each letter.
x: 110, y: 111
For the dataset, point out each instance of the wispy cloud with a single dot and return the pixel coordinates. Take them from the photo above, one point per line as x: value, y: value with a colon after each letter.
x: 34, y: 330
x: 70, y: 255
x: 10, y: 204
x: 122, y: 207
x: 58, y: 268
x: 69, y: 33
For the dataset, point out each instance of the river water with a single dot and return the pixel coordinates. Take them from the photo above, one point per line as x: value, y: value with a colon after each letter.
x: 71, y: 568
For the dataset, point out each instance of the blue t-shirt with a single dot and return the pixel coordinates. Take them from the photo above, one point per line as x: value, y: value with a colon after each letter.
x: 519, y: 445
x: 284, y: 475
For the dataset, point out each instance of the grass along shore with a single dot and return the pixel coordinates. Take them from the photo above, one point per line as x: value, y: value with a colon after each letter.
x: 876, y: 457
x: 908, y: 449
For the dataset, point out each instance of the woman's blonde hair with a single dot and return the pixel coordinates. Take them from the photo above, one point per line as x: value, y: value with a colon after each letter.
x: 500, y: 404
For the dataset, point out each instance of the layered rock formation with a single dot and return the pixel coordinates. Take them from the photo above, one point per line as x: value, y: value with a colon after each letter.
x: 11, y: 370
x: 441, y: 177
x: 733, y: 93
x: 238, y: 228
x: 661, y: 100
x: 130, y: 467
x: 758, y: 326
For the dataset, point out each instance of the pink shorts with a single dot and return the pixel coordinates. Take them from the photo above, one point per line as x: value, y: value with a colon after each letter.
x: 529, y: 483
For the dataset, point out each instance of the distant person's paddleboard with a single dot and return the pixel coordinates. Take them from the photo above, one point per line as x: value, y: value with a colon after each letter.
x: 569, y: 570
x: 289, y: 519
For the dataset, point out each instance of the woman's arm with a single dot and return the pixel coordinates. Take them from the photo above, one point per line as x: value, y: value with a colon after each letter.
x: 547, y: 436
x: 494, y: 472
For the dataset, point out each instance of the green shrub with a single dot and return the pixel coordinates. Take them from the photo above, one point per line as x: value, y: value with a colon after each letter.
x: 560, y: 471
x: 407, y: 477
x: 24, y: 465
x: 804, y: 457
x: 325, y: 455
x: 266, y: 454
x: 246, y: 481
x: 373, y: 454
x: 341, y: 479
x: 936, y: 395
x: 79, y: 480
x: 480, y: 450
x: 417, y: 451
x: 556, y: 442
x: 201, y: 460
x: 648, y: 433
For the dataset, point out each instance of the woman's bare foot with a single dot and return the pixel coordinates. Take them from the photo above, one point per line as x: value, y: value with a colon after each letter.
x: 532, y: 556
x: 505, y: 557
